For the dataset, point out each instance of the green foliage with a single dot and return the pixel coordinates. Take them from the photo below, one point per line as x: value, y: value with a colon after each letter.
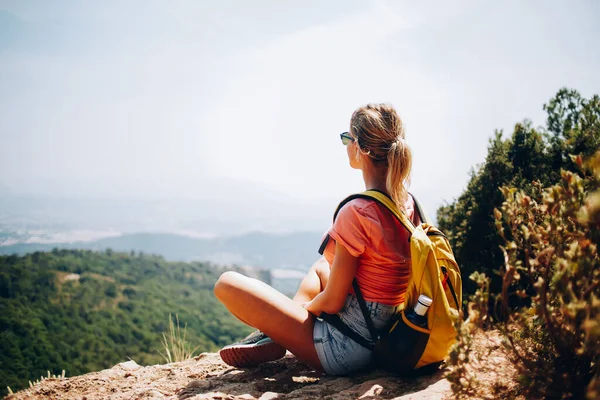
x: 554, y: 244
x: 529, y: 159
x: 85, y: 311
x: 574, y: 126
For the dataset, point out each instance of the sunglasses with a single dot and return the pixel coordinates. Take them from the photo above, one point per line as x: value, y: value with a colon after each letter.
x: 346, y: 138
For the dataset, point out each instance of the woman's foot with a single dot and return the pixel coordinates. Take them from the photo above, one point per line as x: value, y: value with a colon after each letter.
x: 255, y: 349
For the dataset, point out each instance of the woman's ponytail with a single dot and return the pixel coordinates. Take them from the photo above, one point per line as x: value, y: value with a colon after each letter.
x: 398, y: 175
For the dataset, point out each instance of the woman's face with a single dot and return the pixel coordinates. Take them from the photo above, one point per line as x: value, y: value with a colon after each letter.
x: 354, y: 154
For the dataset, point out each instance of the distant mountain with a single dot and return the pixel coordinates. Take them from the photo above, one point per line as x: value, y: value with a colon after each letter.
x: 266, y: 250
x: 215, y: 214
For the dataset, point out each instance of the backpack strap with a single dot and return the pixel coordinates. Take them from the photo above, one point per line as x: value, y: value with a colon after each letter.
x: 422, y: 214
x: 335, y: 321
x: 365, y: 311
x: 390, y: 205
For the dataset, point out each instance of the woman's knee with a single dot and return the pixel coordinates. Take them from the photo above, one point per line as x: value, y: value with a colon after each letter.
x: 322, y: 270
x: 319, y: 266
x: 226, y: 283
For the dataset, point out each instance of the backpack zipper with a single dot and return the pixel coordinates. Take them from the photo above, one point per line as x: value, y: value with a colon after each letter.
x: 445, y: 272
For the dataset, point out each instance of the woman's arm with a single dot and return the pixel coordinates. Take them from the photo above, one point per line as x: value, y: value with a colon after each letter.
x: 332, y: 299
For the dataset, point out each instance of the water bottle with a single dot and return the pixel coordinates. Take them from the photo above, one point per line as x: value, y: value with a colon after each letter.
x: 417, y: 315
x: 402, y: 347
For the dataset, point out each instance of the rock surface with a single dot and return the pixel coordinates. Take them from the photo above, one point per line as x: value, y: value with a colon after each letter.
x: 207, y: 377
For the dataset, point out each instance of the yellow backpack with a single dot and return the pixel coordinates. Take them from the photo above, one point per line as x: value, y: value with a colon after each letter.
x: 434, y: 273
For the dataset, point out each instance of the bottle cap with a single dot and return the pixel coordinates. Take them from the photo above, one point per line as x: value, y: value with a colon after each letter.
x: 423, y: 305
x: 426, y: 301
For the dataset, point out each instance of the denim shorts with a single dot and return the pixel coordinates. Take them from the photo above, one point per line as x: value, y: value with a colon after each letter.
x: 340, y: 355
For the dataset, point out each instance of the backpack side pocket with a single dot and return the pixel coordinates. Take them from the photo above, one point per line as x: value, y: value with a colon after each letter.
x: 400, y: 349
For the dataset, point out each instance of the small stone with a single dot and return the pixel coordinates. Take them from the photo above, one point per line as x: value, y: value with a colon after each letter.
x: 199, y: 384
x: 269, y: 396
x: 374, y: 391
x: 128, y: 365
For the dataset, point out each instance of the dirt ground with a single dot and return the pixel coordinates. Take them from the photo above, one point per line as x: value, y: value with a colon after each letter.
x: 207, y: 377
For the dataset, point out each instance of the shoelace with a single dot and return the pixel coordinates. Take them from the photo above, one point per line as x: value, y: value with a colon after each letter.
x: 254, y: 337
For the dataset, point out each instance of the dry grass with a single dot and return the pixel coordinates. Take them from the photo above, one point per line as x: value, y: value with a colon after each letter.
x: 175, y: 344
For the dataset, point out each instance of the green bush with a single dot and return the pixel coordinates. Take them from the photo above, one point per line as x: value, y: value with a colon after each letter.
x: 553, y: 244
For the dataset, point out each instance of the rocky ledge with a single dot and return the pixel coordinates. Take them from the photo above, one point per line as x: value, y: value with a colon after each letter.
x: 207, y: 377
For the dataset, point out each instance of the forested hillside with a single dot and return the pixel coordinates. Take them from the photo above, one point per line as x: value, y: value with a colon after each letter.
x: 82, y: 311
x: 530, y: 159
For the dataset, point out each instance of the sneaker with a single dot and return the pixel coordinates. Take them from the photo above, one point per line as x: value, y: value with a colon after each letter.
x: 255, y: 349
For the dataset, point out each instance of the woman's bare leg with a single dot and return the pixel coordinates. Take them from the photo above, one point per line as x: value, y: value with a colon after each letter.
x: 314, y: 282
x: 282, y: 319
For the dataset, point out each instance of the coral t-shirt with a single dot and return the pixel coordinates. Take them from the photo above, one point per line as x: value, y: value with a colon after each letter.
x: 369, y: 231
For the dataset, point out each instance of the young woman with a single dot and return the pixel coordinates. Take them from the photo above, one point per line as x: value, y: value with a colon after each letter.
x: 368, y: 244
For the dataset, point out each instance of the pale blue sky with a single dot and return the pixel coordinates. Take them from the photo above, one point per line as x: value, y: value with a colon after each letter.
x: 175, y: 99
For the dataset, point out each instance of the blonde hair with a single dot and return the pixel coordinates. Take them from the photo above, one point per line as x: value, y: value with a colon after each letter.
x: 379, y: 133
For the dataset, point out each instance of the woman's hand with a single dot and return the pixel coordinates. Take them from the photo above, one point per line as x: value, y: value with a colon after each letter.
x: 316, y: 306
x: 310, y: 307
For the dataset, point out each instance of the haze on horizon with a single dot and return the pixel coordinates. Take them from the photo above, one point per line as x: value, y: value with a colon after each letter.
x: 246, y: 100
